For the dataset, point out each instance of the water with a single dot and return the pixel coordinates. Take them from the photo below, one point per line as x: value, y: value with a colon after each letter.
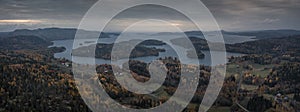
x: 68, y: 44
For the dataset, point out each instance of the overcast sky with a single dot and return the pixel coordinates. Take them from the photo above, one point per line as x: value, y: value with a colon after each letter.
x: 233, y: 15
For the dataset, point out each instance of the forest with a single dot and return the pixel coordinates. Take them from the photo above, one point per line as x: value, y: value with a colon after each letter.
x: 267, y: 78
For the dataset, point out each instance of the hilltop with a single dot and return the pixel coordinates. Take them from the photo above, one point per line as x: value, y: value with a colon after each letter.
x: 51, y: 34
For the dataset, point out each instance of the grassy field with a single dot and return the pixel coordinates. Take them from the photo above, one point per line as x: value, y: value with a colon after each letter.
x: 249, y: 87
x: 219, y: 109
x: 261, y: 70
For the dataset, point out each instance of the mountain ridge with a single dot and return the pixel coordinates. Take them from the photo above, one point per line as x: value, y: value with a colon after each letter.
x: 51, y: 34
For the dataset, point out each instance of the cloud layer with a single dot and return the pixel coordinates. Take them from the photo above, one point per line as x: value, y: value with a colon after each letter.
x: 230, y: 14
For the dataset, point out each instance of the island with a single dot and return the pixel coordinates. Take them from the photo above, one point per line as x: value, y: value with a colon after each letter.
x: 198, y: 43
x: 104, y: 51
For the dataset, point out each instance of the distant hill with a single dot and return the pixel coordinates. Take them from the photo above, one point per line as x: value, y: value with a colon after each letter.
x: 194, y: 33
x: 23, y: 42
x: 264, y: 34
x: 276, y: 46
x: 51, y: 34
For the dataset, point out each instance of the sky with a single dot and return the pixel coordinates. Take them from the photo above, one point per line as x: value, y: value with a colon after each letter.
x: 231, y: 15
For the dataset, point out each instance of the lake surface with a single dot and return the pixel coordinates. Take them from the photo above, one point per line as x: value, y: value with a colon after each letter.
x: 68, y: 44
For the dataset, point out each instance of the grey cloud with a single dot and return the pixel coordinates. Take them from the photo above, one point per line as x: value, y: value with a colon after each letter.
x: 230, y: 14
x: 249, y: 14
x: 44, y: 9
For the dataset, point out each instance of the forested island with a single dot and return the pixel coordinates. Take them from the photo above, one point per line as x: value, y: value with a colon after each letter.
x: 104, y: 51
